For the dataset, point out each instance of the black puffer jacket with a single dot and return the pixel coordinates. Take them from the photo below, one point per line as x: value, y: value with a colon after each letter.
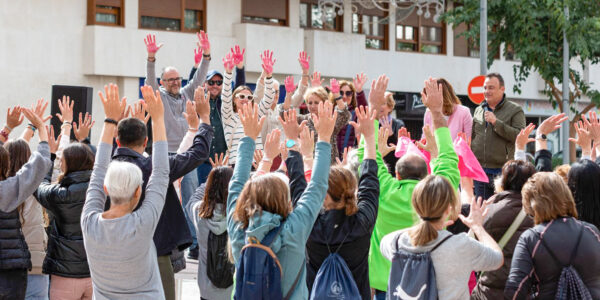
x: 532, y: 262
x: 502, y: 212
x: 14, y: 253
x: 64, y: 201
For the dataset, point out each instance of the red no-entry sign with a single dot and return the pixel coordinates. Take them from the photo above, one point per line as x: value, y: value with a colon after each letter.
x: 475, y: 89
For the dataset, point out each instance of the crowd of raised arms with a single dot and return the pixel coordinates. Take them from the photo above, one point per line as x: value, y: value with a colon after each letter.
x: 333, y: 199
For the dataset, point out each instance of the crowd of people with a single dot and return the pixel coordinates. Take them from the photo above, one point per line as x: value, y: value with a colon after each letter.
x: 323, y: 196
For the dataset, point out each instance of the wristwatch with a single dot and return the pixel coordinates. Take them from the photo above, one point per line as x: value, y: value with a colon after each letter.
x: 541, y: 137
x: 290, y: 143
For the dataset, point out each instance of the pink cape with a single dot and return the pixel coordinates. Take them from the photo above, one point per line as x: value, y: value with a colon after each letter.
x: 468, y: 165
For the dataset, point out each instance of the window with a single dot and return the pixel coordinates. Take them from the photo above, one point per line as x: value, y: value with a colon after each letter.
x: 373, y: 24
x: 466, y: 46
x: 270, y: 12
x: 311, y: 17
x: 419, y: 34
x: 176, y: 15
x: 105, y: 12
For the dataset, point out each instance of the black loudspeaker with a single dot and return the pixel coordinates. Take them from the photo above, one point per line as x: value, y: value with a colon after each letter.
x: 81, y: 95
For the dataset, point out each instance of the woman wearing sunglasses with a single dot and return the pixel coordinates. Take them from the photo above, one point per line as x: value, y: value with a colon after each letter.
x: 233, y: 128
x: 353, y: 95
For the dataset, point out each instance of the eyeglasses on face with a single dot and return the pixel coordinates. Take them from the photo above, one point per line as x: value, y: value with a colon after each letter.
x: 243, y: 97
x: 213, y: 82
x: 169, y: 80
x: 347, y: 93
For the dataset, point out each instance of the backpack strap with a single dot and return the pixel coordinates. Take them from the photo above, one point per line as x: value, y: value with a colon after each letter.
x: 348, y: 129
x: 441, y: 242
x: 512, y: 229
x: 270, y: 237
x: 572, y: 253
x: 576, y: 246
x: 289, y: 293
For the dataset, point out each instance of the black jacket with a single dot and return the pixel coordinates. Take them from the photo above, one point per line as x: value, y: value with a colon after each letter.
x: 390, y: 159
x: 350, y: 236
x: 532, y: 262
x: 172, y: 230
x: 65, y: 255
x: 14, y: 253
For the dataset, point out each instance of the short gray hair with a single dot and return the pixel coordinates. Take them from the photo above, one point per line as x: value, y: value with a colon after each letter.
x: 121, y: 181
x: 167, y: 69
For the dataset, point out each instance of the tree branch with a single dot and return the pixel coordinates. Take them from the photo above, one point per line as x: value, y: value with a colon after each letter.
x: 556, y: 93
x: 577, y: 90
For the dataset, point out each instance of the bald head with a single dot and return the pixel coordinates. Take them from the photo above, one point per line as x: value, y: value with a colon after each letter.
x: 171, y: 80
x: 411, y: 166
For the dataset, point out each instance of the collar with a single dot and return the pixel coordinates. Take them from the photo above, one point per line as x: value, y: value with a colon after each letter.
x: 497, y: 106
x: 124, y: 151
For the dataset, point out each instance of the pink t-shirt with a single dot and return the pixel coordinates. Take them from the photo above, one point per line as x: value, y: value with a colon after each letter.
x: 460, y: 121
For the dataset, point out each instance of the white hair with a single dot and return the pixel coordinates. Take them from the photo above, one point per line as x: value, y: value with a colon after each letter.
x: 121, y: 181
x: 167, y: 69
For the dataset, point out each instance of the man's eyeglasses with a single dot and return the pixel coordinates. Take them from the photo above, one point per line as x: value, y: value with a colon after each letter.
x: 213, y: 82
x: 169, y: 80
x: 243, y: 97
x: 347, y: 93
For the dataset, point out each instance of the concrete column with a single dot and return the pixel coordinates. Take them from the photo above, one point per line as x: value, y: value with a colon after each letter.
x: 347, y: 16
x: 294, y: 13
x: 131, y: 14
x: 449, y: 34
x: 392, y: 30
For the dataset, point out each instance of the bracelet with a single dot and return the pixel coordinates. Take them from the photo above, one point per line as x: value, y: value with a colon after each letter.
x: 338, y: 98
x: 205, y: 55
x: 67, y: 123
x: 151, y: 59
x: 32, y: 127
x: 265, y: 159
x: 305, y: 75
x: 193, y: 129
x: 8, y: 127
x: 111, y: 121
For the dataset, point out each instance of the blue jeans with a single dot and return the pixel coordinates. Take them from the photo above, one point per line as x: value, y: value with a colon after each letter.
x: 37, y: 287
x: 189, y: 183
x: 483, y: 189
x: 203, y: 171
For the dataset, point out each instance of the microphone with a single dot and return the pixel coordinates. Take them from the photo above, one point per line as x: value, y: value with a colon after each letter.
x: 486, y: 107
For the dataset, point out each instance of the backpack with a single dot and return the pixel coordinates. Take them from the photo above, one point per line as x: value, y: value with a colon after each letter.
x: 258, y: 272
x: 218, y: 268
x: 334, y: 279
x: 570, y: 285
x: 412, y: 275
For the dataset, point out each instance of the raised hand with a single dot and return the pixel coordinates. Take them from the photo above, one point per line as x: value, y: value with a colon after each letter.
x: 377, y: 93
x: 523, y: 137
x: 190, y: 114
x: 267, y: 62
x: 324, y: 121
x: 153, y: 103
x: 584, y: 139
x: 14, y: 117
x: 228, y: 63
x: 82, y: 130
x: 53, y: 142
x: 289, y: 123
x: 366, y: 120
x: 304, y: 60
x: 37, y: 122
x: 258, y: 156
x: 238, y: 56
x: 334, y: 86
x: 403, y: 132
x: 290, y: 87
x: 66, y: 109
x: 477, y: 212
x: 593, y: 125
x: 315, y: 79
x: 202, y: 105
x: 151, y: 46
x: 344, y: 160
x: 359, y: 81
x: 113, y: 108
x: 307, y: 142
x: 433, y: 97
x: 271, y: 145
x: 551, y: 124
x: 249, y: 118
x: 219, y: 160
x: 384, y: 148
x: 39, y: 108
x: 203, y: 42
x: 137, y: 111
x: 430, y: 144
x: 197, y: 56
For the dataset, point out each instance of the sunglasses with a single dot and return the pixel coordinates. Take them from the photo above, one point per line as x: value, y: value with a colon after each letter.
x: 169, y: 80
x: 213, y: 82
x: 243, y: 97
x: 347, y: 93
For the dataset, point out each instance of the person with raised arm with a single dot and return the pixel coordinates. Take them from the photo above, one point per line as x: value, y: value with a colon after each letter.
x: 353, y: 95
x: 395, y: 210
x: 262, y: 204
x: 172, y: 231
x: 234, y: 99
x: 14, y: 255
x: 121, y: 253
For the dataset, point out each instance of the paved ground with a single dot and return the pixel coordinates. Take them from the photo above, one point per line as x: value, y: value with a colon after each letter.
x: 186, y: 281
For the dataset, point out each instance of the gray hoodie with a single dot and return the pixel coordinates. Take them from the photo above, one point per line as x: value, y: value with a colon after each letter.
x: 453, y: 261
x: 218, y: 225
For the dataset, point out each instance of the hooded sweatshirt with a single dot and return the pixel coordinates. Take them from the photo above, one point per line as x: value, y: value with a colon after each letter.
x: 453, y: 261
x: 217, y: 225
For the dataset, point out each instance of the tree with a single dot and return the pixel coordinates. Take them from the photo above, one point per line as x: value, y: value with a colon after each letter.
x: 533, y: 29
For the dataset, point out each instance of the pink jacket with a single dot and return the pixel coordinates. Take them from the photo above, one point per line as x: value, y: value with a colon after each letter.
x: 460, y: 121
